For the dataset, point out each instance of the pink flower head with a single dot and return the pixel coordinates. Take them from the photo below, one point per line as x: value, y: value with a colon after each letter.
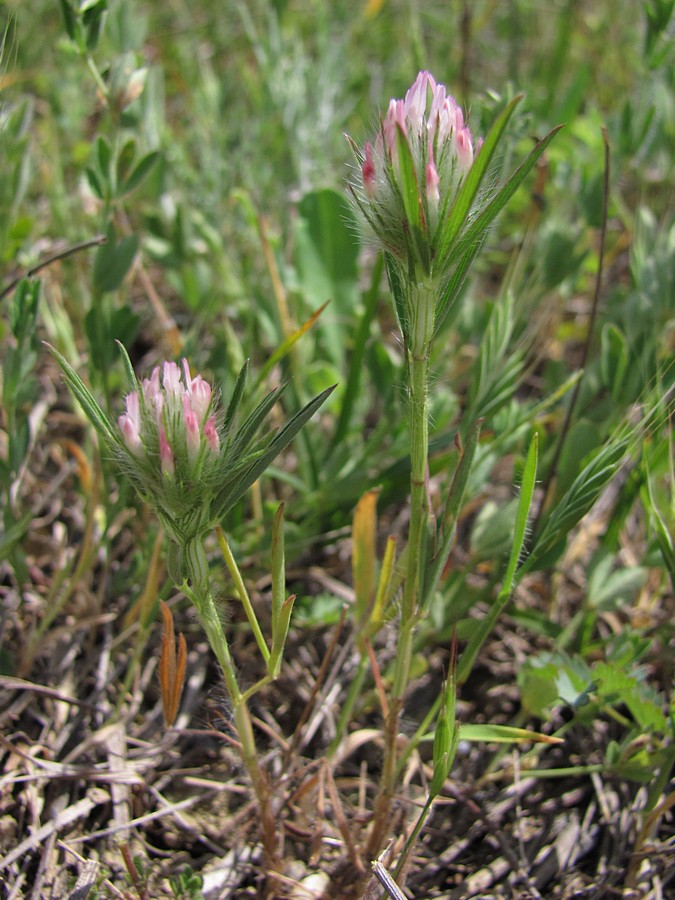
x: 130, y: 424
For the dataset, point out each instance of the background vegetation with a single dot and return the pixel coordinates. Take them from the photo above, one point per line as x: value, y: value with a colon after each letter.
x: 204, y: 140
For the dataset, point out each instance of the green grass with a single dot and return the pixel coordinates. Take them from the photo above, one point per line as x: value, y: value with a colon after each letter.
x: 205, y: 142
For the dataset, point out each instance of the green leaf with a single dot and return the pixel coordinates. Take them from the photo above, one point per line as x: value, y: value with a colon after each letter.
x: 132, y: 381
x: 398, y: 291
x: 504, y: 734
x: 103, y: 157
x: 83, y: 396
x: 143, y: 168
x: 576, y: 502
x: 412, y: 203
x: 235, y: 490
x: 235, y: 399
x: 522, y: 514
x: 113, y: 261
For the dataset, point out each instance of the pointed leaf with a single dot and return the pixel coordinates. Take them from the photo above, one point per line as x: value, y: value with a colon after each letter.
x: 410, y: 193
x: 234, y: 491
x: 83, y: 396
x: 504, y: 734
x: 132, y: 381
x: 235, y: 399
x: 485, y: 626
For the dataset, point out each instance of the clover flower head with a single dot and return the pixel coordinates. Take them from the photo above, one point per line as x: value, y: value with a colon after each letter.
x: 171, y: 444
x: 411, y: 173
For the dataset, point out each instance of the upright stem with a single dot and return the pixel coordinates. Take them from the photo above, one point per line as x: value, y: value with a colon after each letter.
x: 207, y: 612
x: 418, y: 369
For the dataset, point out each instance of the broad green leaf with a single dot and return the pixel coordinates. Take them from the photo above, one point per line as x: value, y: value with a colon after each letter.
x: 141, y: 171
x: 113, y: 261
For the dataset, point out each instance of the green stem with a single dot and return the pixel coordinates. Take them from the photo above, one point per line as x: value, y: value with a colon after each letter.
x: 412, y: 840
x: 233, y: 568
x: 418, y: 368
x: 207, y: 613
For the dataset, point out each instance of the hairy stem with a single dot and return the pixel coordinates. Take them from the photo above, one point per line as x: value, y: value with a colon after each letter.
x: 419, y: 446
x: 209, y: 618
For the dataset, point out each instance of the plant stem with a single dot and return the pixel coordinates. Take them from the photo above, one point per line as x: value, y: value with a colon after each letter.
x: 212, y: 625
x: 418, y: 368
x: 233, y: 568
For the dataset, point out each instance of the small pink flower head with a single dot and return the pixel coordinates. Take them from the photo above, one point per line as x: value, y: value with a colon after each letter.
x: 166, y: 457
x: 130, y: 424
x: 412, y: 172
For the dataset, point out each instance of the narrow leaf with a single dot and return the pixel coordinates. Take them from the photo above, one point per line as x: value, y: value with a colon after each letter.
x: 364, y: 532
x: 504, y: 734
x: 235, y: 399
x: 487, y: 624
x: 140, y: 172
x: 83, y: 396
x: 285, y: 347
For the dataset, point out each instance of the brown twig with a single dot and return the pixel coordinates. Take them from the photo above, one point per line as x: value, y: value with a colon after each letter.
x: 56, y: 257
